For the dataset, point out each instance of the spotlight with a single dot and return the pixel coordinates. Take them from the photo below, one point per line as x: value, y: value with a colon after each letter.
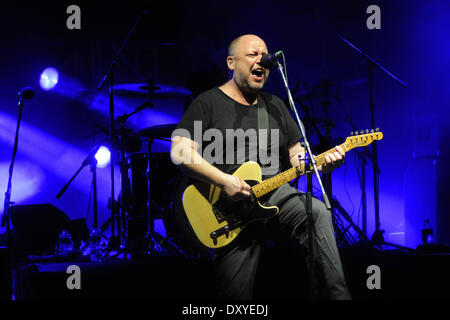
x: 49, y: 78
x: 103, y: 157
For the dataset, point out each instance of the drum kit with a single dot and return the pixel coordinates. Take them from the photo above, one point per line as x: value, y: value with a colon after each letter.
x: 147, y: 179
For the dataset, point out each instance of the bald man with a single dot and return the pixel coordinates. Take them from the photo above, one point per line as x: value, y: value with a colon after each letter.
x: 237, y: 105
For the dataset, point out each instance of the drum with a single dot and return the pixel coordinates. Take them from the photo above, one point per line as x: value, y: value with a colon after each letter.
x: 163, y: 176
x: 161, y: 187
x: 177, y: 224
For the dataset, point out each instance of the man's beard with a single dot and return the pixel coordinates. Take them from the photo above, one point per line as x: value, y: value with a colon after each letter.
x: 249, y: 87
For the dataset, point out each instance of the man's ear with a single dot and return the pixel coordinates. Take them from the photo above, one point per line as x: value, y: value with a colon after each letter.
x: 230, y: 62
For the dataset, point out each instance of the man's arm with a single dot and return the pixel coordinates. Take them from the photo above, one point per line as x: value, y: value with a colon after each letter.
x: 183, y: 153
x: 332, y: 159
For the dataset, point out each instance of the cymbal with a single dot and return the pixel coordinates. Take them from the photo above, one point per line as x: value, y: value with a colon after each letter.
x: 160, y: 131
x: 144, y: 90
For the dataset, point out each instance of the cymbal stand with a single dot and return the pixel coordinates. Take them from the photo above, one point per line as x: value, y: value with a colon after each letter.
x: 124, y: 205
x: 377, y: 237
x: 108, y: 79
x: 125, y: 194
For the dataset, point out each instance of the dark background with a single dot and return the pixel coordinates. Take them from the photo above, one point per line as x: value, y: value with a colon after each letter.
x: 184, y: 43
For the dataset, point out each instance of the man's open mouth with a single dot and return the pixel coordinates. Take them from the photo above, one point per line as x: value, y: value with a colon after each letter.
x: 258, y: 73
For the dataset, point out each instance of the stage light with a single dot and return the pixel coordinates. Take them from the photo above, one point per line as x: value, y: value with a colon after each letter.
x: 103, y: 157
x: 49, y: 78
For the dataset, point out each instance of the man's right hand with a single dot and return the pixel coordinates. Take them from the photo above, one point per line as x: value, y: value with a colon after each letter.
x: 236, y: 188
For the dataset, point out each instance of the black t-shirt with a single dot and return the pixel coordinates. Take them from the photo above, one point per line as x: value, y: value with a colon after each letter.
x: 217, y: 122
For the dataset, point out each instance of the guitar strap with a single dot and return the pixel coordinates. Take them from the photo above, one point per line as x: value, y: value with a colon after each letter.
x: 263, y: 123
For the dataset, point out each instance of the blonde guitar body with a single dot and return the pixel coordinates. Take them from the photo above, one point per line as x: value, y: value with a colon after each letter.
x: 199, y: 200
x: 217, y: 220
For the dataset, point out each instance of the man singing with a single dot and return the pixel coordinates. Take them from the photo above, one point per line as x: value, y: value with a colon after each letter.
x: 238, y: 104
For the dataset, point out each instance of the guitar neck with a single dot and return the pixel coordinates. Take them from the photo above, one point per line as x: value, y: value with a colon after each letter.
x: 273, y: 183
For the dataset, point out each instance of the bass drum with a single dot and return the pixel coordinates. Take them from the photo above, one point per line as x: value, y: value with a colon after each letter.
x: 178, y: 227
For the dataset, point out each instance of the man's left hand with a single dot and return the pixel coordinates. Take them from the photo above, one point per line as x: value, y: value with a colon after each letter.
x: 333, y: 160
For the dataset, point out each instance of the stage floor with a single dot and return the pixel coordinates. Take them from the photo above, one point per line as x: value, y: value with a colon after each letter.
x: 414, y: 275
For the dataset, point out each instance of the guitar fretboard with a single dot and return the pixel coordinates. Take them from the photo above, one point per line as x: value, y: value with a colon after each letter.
x: 271, y: 184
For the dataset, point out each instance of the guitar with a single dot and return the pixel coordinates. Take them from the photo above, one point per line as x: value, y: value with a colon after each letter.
x: 217, y: 220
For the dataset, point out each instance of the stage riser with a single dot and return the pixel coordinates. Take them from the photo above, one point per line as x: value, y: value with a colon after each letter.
x: 157, y: 280
x: 402, y: 276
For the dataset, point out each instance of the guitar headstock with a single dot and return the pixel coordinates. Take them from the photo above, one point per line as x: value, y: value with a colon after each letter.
x: 363, y: 138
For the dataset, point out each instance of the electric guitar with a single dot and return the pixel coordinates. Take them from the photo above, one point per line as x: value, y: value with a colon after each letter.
x: 217, y: 220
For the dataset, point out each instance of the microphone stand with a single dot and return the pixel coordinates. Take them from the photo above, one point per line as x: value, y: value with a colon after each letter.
x: 309, y: 160
x: 6, y: 219
x: 95, y: 234
x: 85, y: 162
x: 116, y: 235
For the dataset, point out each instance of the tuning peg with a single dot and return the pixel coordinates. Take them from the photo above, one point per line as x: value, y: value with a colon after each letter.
x: 367, y: 130
x: 371, y: 130
x: 362, y: 131
x: 351, y: 133
x: 377, y: 129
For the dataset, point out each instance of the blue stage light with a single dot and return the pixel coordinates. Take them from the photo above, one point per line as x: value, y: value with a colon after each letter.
x: 49, y: 78
x: 103, y: 157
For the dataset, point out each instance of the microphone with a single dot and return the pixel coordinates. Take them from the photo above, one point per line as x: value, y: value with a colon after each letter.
x: 26, y: 93
x: 269, y: 60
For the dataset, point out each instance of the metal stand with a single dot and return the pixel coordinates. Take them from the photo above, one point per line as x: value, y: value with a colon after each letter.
x: 343, y: 237
x: 25, y: 93
x: 309, y: 181
x: 92, y: 162
x: 311, y: 286
x: 116, y: 240
x: 95, y: 236
x: 377, y: 237
x: 93, y: 165
x: 156, y: 243
x: 85, y: 162
x: 363, y: 162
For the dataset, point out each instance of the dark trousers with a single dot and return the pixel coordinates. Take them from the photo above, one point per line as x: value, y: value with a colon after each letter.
x: 237, y: 265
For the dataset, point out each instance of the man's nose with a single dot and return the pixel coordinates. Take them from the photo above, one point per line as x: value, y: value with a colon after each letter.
x: 258, y: 58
